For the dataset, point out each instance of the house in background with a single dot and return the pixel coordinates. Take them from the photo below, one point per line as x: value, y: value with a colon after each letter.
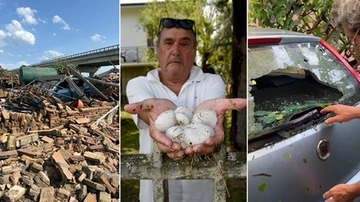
x: 133, y: 42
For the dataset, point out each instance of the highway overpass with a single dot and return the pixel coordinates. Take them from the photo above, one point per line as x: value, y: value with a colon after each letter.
x: 89, y: 61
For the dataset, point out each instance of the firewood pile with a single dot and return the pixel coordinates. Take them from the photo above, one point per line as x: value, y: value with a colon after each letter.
x: 54, y: 151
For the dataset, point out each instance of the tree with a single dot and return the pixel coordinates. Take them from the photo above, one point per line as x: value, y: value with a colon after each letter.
x: 61, y: 65
x: 239, y: 75
x: 306, y: 16
x: 213, y: 47
x: 222, y: 46
x: 172, y: 9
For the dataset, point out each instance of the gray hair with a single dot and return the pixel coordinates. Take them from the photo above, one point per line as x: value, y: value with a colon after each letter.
x: 346, y: 11
x: 178, y: 27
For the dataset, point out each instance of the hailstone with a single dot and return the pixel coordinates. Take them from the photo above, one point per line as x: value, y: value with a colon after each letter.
x: 206, y: 117
x: 184, y: 110
x: 165, y: 120
x: 196, y: 134
x: 181, y: 126
x: 175, y: 133
x: 182, y: 119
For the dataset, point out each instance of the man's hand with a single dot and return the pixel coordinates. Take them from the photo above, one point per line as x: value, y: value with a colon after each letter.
x: 342, y: 193
x: 148, y: 110
x: 219, y: 105
x: 342, y: 113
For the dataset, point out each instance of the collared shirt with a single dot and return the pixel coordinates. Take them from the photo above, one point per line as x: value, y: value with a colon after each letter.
x: 197, y: 89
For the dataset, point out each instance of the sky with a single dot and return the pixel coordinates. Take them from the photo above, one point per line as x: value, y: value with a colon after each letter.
x: 32, y: 31
x: 134, y: 1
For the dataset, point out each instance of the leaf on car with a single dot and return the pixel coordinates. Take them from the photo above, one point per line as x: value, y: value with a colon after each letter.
x: 285, y: 134
x: 287, y: 155
x: 262, y: 187
x: 279, y: 117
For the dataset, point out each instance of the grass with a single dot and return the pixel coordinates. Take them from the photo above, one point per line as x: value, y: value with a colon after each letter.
x: 129, y: 135
x: 130, y: 145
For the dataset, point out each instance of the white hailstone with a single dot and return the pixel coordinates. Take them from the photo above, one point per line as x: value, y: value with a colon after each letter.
x: 182, y: 119
x: 165, y: 120
x: 205, y: 116
x: 175, y: 133
x: 196, y: 134
x: 181, y: 126
x: 184, y: 110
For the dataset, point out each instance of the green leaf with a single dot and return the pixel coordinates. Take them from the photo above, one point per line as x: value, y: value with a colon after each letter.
x: 262, y: 187
x: 287, y: 155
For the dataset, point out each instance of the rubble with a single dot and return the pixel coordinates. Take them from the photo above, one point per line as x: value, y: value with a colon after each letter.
x: 55, y: 151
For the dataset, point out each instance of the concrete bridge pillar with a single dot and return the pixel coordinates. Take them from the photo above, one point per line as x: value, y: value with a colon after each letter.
x: 90, y: 69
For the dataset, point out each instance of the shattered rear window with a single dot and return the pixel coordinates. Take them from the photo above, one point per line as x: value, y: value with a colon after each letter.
x: 286, y: 79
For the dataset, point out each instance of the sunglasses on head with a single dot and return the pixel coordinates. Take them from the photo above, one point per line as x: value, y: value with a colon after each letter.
x: 170, y: 23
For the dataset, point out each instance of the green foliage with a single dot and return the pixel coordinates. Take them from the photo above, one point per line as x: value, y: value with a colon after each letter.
x: 150, y: 18
x: 61, y: 65
x: 306, y: 16
x: 213, y: 21
x: 12, y: 78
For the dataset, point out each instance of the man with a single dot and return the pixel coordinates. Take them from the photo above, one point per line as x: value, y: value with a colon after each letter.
x: 177, y: 83
x: 345, y: 14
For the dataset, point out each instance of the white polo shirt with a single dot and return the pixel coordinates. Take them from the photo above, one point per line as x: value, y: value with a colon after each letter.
x: 198, y: 88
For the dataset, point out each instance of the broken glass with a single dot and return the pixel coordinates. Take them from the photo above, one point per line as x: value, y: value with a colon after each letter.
x: 287, y: 79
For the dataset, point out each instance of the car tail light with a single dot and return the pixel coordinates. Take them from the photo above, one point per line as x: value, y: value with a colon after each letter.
x: 264, y: 41
x: 341, y: 59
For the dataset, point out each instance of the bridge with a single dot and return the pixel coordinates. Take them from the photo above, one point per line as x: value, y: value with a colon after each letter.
x: 89, y: 61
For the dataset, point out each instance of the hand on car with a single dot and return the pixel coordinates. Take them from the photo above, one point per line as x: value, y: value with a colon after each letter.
x: 149, y: 109
x: 219, y: 105
x: 342, y: 113
x: 341, y: 193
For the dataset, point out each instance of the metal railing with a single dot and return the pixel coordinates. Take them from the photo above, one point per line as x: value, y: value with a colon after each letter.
x: 134, y: 54
x: 86, y: 53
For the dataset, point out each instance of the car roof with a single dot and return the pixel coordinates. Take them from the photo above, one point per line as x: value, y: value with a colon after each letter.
x: 286, y: 36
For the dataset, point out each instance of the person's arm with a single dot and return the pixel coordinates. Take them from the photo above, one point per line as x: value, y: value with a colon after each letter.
x: 342, y: 113
x: 137, y: 90
x: 343, y: 192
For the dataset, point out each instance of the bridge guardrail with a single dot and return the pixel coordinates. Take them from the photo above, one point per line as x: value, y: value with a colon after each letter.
x: 134, y: 53
x: 99, y: 50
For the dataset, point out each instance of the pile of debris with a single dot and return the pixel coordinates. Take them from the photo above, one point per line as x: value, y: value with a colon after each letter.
x: 56, y: 151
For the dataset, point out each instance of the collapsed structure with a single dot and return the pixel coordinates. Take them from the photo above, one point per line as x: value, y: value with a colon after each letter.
x: 56, y: 150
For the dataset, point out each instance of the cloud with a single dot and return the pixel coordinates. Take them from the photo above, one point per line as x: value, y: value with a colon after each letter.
x: 16, y: 35
x: 98, y: 37
x: 2, y: 38
x: 41, y: 20
x: 1, y: 51
x: 50, y: 54
x: 58, y: 20
x: 27, y: 14
x: 2, y: 4
x: 11, y: 66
